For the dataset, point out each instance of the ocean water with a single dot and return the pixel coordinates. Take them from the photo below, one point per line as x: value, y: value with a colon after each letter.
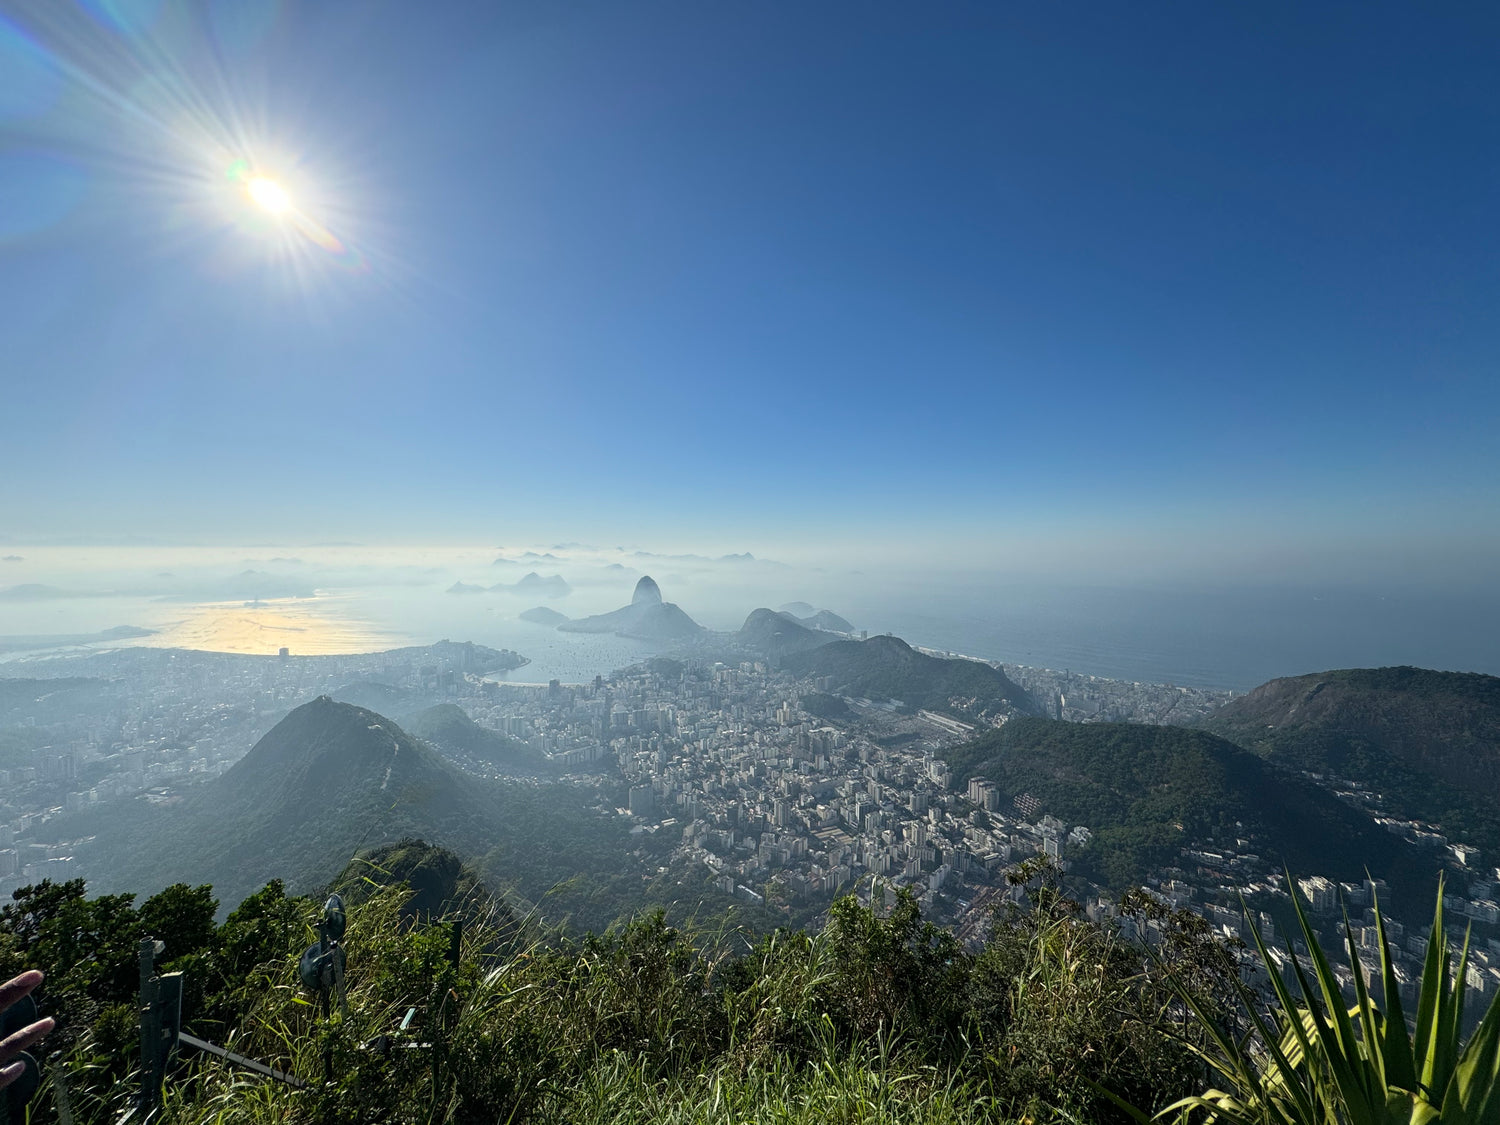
x: 1226, y: 637
x: 1229, y: 638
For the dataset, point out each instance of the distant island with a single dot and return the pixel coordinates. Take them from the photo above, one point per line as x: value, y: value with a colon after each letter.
x: 40, y: 641
x: 534, y: 584
x: 647, y: 617
x: 543, y: 615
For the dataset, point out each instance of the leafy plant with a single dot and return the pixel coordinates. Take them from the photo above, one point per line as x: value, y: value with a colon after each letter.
x: 1316, y: 1062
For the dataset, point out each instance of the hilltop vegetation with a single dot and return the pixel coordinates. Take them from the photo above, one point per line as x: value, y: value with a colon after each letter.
x: 450, y: 730
x: 889, y: 668
x: 881, y: 1016
x: 1428, y: 742
x: 778, y: 634
x: 439, y: 881
x: 1147, y: 791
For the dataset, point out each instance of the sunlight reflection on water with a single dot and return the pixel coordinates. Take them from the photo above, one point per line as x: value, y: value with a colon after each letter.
x: 305, y: 627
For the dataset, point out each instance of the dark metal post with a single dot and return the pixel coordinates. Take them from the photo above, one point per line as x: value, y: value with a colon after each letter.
x: 152, y: 1063
x: 169, y: 1015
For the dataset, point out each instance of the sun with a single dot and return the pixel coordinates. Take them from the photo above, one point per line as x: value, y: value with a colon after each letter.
x: 269, y: 194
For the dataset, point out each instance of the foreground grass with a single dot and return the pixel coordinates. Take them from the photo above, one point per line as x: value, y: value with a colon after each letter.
x: 857, y: 1087
x: 878, y: 1018
x: 854, y: 1088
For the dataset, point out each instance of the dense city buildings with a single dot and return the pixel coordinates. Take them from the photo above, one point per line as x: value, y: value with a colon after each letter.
x: 763, y: 787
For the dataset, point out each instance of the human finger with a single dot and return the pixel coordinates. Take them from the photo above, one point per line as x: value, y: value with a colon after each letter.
x: 15, y: 1043
x: 18, y: 987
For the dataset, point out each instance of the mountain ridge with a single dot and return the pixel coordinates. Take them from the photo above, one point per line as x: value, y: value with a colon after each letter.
x: 1427, y: 741
x: 1147, y: 791
x: 327, y: 781
x: 886, y: 667
x: 647, y: 617
x: 778, y: 634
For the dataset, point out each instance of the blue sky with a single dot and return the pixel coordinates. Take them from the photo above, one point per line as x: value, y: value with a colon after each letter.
x: 1200, y: 279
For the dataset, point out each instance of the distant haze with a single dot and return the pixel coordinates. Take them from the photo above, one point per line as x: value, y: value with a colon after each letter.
x: 1228, y: 632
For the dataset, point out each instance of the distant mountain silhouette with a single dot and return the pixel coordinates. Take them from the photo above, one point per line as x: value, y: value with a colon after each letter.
x: 543, y: 615
x: 888, y: 668
x: 824, y: 619
x: 36, y: 641
x: 646, y: 617
x: 375, y: 696
x: 778, y: 634
x: 552, y: 586
x: 1428, y: 742
x: 828, y: 621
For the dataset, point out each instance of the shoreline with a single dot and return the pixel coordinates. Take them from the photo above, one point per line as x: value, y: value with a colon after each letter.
x: 75, y: 650
x: 1002, y: 665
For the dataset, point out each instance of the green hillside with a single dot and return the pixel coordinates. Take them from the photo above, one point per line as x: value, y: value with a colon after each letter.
x: 888, y: 668
x: 778, y: 634
x: 327, y: 780
x: 331, y: 780
x: 1428, y: 742
x: 1146, y: 791
x: 450, y: 731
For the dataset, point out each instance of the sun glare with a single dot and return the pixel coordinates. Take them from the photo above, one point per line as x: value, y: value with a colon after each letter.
x: 269, y: 194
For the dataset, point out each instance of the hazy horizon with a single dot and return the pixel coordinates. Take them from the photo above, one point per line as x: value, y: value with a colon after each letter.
x: 360, y: 599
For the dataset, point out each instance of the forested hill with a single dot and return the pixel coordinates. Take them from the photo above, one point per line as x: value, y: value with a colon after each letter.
x: 1428, y: 742
x: 327, y: 779
x: 778, y: 634
x: 332, y: 779
x: 886, y: 667
x: 450, y: 731
x: 1146, y: 791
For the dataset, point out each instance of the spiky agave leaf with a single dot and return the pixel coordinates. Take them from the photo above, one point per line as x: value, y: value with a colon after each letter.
x: 1326, y: 1063
x: 1395, y: 1042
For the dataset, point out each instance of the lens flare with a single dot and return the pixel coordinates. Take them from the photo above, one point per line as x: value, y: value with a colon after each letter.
x: 271, y: 197
x: 269, y: 194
